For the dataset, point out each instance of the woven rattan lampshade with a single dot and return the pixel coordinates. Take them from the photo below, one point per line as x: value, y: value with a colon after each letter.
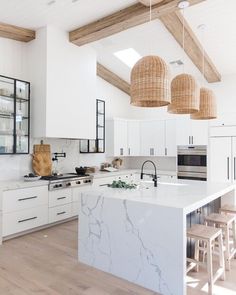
x: 150, y: 83
x: 208, y: 106
x: 185, y: 95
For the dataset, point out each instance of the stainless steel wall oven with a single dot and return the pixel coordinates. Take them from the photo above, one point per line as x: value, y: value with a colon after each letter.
x: 192, y: 162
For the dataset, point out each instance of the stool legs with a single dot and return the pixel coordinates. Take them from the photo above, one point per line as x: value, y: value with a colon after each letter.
x: 196, y: 254
x: 209, y: 268
x: 227, y: 244
x: 221, y: 256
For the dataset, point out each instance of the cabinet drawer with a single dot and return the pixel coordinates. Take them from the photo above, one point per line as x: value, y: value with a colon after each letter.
x: 60, y: 197
x: 21, y: 199
x: 75, y: 208
x: 60, y: 212
x: 16, y: 222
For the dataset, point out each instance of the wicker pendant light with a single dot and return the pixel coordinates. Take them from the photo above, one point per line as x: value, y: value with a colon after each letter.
x: 185, y: 94
x: 208, y: 108
x: 150, y: 83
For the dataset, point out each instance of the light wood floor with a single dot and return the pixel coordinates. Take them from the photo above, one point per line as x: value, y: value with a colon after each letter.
x: 45, y: 262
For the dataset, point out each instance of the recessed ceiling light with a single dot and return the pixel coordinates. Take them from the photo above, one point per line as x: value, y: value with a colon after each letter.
x: 51, y: 2
x: 176, y: 63
x: 183, y: 4
x: 73, y: 1
x: 128, y: 56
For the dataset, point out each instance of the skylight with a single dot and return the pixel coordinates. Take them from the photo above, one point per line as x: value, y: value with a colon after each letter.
x: 128, y: 56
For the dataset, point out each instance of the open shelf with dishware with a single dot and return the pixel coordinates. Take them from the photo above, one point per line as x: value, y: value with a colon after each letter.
x: 96, y: 145
x: 14, y: 116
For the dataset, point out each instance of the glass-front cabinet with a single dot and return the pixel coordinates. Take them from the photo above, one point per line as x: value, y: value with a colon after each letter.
x: 14, y: 116
x: 96, y: 145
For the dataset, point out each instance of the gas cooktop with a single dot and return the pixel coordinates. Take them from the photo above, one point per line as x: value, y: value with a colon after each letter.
x: 67, y: 180
x: 63, y: 176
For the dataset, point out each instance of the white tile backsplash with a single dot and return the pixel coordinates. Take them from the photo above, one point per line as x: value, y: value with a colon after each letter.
x: 15, y: 166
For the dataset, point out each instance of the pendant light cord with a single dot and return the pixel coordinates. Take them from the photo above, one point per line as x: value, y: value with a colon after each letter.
x: 183, y: 39
x: 150, y: 20
x: 203, y: 54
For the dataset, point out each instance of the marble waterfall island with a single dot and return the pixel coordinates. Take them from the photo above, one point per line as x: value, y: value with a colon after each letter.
x: 140, y: 235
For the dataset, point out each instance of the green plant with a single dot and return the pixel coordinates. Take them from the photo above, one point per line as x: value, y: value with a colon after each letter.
x: 122, y: 184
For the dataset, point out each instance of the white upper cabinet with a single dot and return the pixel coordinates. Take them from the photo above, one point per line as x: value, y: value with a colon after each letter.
x: 63, y: 79
x: 133, y: 138
x: 152, y: 138
x: 117, y: 138
x: 170, y: 138
x: 192, y: 132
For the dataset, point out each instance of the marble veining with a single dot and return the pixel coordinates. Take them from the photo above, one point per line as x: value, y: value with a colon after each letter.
x: 98, y: 243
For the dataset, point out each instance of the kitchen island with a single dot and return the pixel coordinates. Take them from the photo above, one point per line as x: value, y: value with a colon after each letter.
x: 140, y: 235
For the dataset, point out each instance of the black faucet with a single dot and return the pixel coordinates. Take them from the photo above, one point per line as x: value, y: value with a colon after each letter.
x: 154, y: 176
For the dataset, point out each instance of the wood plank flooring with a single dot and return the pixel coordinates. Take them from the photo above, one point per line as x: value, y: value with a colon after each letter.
x: 45, y: 263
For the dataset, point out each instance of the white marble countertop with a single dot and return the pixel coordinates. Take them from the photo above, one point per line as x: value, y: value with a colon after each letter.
x: 17, y: 184
x: 187, y: 195
x: 102, y: 174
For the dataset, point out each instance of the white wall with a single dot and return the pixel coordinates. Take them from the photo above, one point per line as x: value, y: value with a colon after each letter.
x: 14, y: 58
x: 13, y: 61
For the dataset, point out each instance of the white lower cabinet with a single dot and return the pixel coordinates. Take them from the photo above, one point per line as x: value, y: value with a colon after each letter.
x: 23, y: 220
x: 59, y: 213
x: 25, y: 198
x: 60, y: 197
x: 24, y: 209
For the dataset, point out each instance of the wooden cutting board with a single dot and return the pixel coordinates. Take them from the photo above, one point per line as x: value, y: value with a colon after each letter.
x: 42, y: 162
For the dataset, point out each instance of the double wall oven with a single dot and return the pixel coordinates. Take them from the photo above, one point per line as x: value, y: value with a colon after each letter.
x: 192, y: 162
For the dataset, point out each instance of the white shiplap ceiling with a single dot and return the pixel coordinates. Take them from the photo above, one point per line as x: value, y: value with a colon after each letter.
x: 220, y: 33
x: 66, y: 14
x: 218, y: 15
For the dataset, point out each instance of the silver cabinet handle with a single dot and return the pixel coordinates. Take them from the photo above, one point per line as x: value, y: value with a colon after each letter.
x: 189, y: 141
x: 234, y: 168
x: 61, y: 213
x: 29, y: 198
x: 192, y: 139
x: 165, y: 151
x: 228, y: 167
x: 151, y: 151
x: 121, y: 151
x: 61, y: 198
x: 28, y: 219
x: 129, y: 151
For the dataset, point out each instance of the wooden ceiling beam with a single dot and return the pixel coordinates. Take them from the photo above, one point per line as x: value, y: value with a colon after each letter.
x: 16, y: 33
x: 113, y: 79
x: 193, y: 48
x: 124, y: 19
x: 147, y: 2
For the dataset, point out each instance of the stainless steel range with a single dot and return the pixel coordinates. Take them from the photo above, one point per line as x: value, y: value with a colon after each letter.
x: 67, y: 180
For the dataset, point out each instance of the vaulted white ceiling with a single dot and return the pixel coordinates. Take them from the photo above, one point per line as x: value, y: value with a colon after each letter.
x: 218, y: 15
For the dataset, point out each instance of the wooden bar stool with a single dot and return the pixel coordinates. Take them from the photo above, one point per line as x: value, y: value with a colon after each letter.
x: 227, y: 223
x: 228, y: 209
x: 209, y: 235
